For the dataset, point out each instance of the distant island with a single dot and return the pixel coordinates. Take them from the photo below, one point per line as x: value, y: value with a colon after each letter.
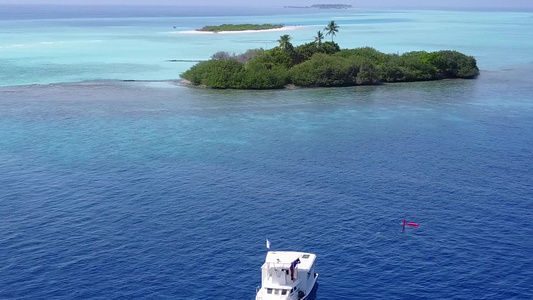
x: 323, y: 6
x: 240, y: 27
x: 325, y: 64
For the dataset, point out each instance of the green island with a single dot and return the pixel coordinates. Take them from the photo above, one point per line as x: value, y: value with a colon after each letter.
x: 323, y: 6
x: 239, y: 27
x: 325, y: 64
x: 331, y: 6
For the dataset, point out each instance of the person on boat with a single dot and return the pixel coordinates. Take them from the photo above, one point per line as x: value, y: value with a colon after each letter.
x: 293, y: 265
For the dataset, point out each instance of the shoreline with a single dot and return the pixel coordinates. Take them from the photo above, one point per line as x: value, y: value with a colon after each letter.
x: 286, y: 28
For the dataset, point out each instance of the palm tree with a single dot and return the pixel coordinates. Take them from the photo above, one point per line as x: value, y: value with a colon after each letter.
x: 332, y: 29
x: 285, y: 42
x: 318, y: 38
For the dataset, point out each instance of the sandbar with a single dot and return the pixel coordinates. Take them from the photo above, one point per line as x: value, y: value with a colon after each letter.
x: 286, y: 28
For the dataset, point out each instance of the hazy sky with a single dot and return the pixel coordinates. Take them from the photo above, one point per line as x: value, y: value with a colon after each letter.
x: 357, y: 3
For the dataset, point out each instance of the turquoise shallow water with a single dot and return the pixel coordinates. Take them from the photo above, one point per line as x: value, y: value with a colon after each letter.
x: 151, y: 190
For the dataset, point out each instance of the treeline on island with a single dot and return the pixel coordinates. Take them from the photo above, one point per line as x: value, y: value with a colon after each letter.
x: 331, y: 6
x: 324, y: 64
x: 240, y: 27
x: 323, y: 6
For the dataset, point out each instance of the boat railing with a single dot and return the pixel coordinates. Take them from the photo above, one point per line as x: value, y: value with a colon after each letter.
x: 278, y: 265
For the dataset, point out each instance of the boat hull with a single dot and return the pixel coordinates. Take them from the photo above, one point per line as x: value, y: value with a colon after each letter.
x: 312, y: 294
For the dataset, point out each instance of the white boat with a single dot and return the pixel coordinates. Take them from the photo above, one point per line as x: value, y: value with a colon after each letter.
x: 288, y: 275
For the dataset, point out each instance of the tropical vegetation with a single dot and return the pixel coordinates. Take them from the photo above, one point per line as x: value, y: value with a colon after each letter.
x: 330, y: 6
x: 325, y: 64
x: 331, y: 29
x: 319, y: 37
x: 240, y: 27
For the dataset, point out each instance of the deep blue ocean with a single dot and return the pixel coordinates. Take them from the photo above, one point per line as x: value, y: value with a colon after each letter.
x: 114, y: 189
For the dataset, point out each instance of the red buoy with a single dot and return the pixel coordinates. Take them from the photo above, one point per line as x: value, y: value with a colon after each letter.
x: 409, y: 224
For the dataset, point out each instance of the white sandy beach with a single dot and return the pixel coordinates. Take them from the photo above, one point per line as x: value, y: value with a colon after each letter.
x: 286, y: 28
